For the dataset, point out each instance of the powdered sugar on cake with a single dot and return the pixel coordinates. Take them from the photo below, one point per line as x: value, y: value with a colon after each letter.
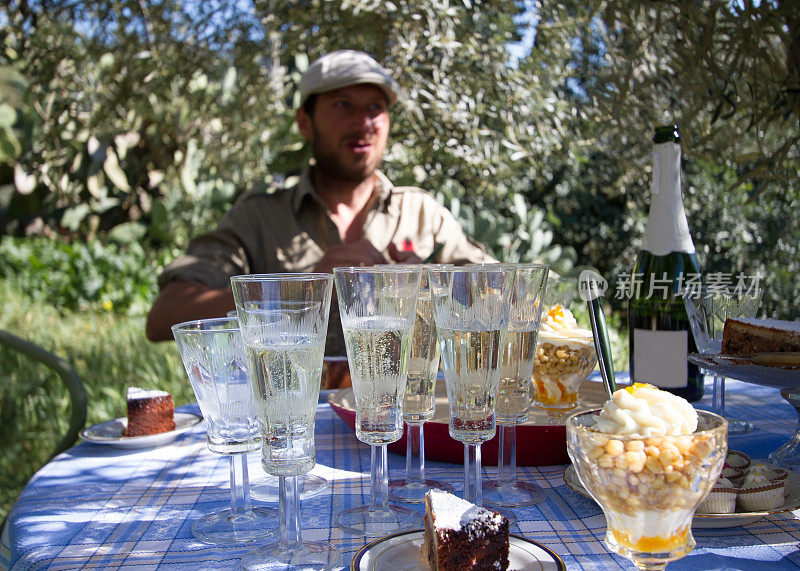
x: 135, y: 393
x: 453, y: 512
x: 771, y: 323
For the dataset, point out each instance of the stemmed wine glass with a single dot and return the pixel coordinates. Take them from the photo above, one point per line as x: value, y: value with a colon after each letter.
x: 471, y: 307
x: 284, y: 320
x: 513, y: 400
x: 419, y: 404
x: 267, y: 489
x: 708, y: 308
x: 377, y: 307
x: 213, y: 356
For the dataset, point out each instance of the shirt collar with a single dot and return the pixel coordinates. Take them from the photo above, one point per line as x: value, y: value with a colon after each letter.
x: 383, y: 190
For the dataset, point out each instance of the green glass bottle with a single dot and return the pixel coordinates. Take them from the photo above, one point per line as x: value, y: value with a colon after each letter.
x: 660, y: 338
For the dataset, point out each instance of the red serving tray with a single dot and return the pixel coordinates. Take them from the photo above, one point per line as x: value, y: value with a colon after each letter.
x: 538, y: 442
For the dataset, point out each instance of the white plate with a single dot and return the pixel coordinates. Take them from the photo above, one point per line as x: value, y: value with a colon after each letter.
x: 792, y: 502
x: 110, y: 432
x: 401, y: 552
x: 739, y: 368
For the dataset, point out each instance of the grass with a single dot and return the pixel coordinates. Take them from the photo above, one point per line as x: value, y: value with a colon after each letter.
x: 109, y: 352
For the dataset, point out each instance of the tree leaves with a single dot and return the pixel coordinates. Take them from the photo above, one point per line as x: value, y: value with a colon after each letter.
x: 171, y: 112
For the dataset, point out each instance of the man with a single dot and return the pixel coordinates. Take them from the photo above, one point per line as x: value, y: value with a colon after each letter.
x: 343, y: 212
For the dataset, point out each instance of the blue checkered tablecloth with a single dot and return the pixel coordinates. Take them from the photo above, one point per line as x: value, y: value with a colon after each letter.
x: 109, y: 508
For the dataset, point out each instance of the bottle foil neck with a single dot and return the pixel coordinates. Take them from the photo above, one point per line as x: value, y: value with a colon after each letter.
x: 667, y: 227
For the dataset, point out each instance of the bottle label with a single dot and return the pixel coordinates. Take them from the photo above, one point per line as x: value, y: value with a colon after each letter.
x: 660, y: 357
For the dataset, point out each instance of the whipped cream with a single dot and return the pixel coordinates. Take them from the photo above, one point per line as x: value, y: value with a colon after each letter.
x: 644, y: 410
x: 554, y: 392
x: 560, y: 327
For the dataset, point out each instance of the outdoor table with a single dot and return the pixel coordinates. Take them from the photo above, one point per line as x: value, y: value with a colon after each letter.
x: 97, y: 506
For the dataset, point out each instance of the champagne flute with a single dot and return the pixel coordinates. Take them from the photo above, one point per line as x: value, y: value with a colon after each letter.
x: 708, y: 308
x: 377, y: 307
x: 513, y: 399
x: 471, y: 309
x: 284, y: 320
x: 267, y: 489
x: 419, y: 404
x: 212, y: 354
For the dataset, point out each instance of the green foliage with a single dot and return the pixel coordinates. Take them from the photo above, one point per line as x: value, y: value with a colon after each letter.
x: 727, y: 74
x: 146, y: 124
x: 112, y: 278
x: 512, y: 230
x: 109, y: 353
x: 15, y: 116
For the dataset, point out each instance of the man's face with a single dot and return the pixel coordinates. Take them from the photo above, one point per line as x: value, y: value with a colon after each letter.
x: 347, y: 131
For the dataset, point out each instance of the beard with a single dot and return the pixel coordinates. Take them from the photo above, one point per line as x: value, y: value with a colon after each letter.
x: 333, y: 165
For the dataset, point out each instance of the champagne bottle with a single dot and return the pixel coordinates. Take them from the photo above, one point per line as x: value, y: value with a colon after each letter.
x: 659, y: 335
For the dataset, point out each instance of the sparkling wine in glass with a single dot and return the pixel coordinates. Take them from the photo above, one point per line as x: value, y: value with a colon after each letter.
x: 213, y: 356
x: 267, y: 488
x: 284, y: 319
x: 419, y: 404
x: 513, y: 400
x: 377, y: 307
x: 471, y: 310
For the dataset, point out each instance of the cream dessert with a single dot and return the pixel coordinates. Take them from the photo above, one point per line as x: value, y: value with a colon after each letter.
x: 564, y: 358
x: 646, y: 463
x: 721, y: 499
x: 760, y: 493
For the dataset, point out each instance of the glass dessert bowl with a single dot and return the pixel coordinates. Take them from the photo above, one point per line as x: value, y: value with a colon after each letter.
x: 565, y: 357
x: 648, y: 486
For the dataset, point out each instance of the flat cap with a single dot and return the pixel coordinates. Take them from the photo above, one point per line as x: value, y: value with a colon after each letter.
x: 343, y: 68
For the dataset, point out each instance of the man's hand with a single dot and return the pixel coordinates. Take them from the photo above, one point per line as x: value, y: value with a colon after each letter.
x: 358, y: 253
x: 409, y: 257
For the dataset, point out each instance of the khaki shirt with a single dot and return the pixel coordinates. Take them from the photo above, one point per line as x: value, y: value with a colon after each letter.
x: 290, y: 230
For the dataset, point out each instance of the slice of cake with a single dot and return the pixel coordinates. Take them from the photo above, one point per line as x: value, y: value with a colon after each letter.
x: 747, y: 336
x: 149, y: 412
x: 460, y: 535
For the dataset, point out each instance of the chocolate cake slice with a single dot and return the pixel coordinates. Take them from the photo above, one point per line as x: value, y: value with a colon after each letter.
x: 746, y: 336
x: 460, y: 535
x: 149, y: 412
